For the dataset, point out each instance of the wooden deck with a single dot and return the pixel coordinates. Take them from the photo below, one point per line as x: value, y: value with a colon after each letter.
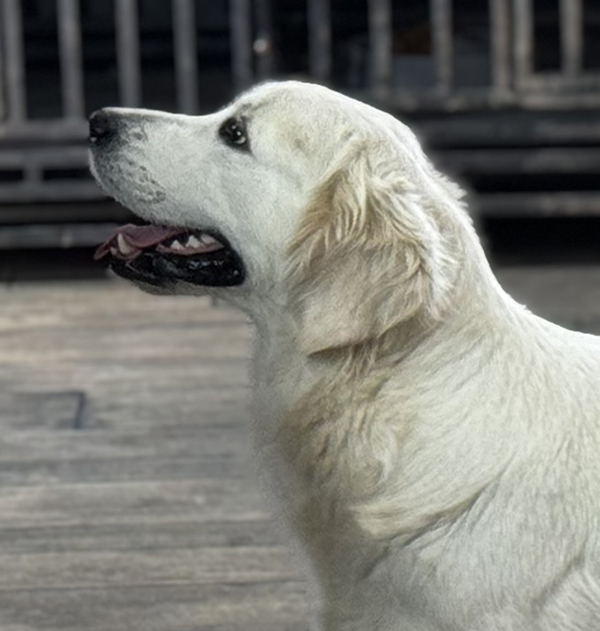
x: 127, y: 496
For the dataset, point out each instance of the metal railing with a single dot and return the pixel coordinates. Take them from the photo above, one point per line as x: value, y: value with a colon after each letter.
x: 510, y: 55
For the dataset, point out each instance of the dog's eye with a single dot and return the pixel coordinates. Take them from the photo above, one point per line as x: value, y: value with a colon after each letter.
x: 233, y: 133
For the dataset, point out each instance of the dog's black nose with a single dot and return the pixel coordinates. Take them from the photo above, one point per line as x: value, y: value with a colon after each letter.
x: 103, y: 127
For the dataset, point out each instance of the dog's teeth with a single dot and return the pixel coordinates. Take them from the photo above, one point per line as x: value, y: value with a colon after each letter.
x: 124, y: 247
x: 176, y: 245
x: 207, y: 239
x: 192, y: 242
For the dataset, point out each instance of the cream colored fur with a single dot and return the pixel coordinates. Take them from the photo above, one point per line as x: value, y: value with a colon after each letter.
x: 434, y: 447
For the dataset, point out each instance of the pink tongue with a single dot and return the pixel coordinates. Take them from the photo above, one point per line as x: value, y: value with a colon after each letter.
x: 137, y: 238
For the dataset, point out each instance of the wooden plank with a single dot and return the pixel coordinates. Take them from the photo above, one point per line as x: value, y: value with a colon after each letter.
x: 50, y: 130
x: 437, y: 101
x: 319, y: 39
x: 53, y: 235
x: 128, y: 52
x: 380, y: 48
x: 145, y: 513
x: 264, y: 39
x: 64, y: 408
x: 71, y: 58
x: 524, y: 41
x: 220, y: 439
x: 122, y: 344
x: 267, y: 606
x: 240, y: 27
x: 3, y: 103
x: 58, y: 191
x: 46, y: 158
x: 161, y: 375
x: 117, y: 471
x: 558, y: 85
x: 108, y: 303
x: 125, y: 502
x: 500, y: 41
x: 160, y: 388
x: 15, y: 60
x: 443, y: 44
x: 137, y: 536
x: 186, y: 62
x: 111, y: 406
x: 511, y: 130
x: 540, y: 204
x: 147, y: 567
x: 567, y: 100
x: 67, y: 156
x: 568, y: 294
x: 94, y: 213
x: 527, y: 160
x: 571, y: 36
x: 539, y: 92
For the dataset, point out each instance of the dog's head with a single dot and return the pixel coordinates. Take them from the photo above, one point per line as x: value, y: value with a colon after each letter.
x: 294, y: 195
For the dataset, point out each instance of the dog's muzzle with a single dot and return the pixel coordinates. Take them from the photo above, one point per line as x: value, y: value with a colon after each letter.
x: 161, y: 256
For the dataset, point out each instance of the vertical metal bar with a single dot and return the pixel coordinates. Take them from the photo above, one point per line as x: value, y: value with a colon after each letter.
x: 71, y: 60
x: 442, y: 43
x: 240, y: 27
x: 128, y: 52
x: 15, y: 61
x: 186, y: 61
x: 571, y: 36
x: 319, y: 39
x: 500, y: 45
x: 2, y: 93
x: 380, y: 47
x: 523, y: 21
x: 263, y: 43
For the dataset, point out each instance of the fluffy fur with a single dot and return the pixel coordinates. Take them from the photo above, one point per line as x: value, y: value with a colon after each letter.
x: 434, y: 447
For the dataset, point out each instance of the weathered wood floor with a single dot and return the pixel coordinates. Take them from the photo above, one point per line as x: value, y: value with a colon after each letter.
x: 127, y: 496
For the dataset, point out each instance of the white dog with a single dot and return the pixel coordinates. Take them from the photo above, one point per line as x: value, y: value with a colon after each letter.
x: 435, y: 446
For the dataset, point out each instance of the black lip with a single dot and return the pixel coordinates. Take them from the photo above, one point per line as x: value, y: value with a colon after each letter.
x: 221, y: 268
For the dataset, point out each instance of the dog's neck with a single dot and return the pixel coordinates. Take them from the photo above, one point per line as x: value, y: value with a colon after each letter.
x: 285, y: 372
x: 308, y: 406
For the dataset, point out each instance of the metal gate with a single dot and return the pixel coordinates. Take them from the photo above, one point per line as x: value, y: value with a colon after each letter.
x: 44, y: 160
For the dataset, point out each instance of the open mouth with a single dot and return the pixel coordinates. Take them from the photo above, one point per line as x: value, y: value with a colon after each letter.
x: 162, y: 255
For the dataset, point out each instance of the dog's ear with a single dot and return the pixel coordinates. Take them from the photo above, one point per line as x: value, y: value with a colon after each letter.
x: 367, y: 257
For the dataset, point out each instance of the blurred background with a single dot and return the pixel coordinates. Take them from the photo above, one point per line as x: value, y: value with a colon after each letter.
x: 504, y: 94
x: 127, y: 497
